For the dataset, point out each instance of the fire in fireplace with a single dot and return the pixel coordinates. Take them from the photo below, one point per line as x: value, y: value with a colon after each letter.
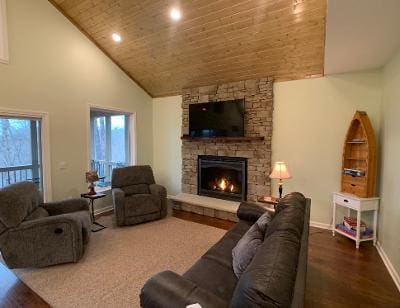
x: 222, y: 177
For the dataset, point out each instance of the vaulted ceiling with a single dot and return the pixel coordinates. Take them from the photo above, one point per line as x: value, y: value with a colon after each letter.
x: 216, y: 41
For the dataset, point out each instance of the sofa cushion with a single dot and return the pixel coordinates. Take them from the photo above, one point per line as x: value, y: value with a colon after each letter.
x: 18, y: 201
x: 269, y: 279
x: 289, y: 219
x: 136, y: 189
x: 246, y: 248
x: 141, y: 204
x: 213, y: 277
x: 292, y: 199
x: 132, y: 175
x: 40, y: 212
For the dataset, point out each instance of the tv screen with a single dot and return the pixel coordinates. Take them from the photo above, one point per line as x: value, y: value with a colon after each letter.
x: 217, y: 119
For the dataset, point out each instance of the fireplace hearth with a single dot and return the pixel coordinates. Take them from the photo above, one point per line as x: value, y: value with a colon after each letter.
x: 222, y: 177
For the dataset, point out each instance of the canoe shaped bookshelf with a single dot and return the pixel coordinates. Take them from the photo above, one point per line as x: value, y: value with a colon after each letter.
x: 359, y: 158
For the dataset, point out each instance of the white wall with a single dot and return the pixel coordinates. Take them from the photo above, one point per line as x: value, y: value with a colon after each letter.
x: 55, y: 68
x: 390, y: 172
x: 167, y: 158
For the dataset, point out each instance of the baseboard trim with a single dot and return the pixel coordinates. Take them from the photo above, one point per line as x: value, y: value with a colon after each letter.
x: 103, y: 210
x: 389, y: 266
x: 320, y: 225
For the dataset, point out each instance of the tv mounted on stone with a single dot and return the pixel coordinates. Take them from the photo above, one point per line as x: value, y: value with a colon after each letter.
x: 217, y: 119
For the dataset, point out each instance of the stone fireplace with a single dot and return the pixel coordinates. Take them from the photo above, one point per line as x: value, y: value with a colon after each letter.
x: 222, y: 177
x: 258, y: 98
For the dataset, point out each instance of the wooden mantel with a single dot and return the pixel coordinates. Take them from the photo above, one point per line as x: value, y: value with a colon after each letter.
x: 222, y: 139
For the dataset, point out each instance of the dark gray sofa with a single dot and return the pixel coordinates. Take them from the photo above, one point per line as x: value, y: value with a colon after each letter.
x: 136, y: 196
x: 276, y: 276
x: 37, y: 234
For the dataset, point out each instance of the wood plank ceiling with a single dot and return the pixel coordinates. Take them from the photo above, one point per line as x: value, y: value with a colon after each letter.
x: 216, y: 41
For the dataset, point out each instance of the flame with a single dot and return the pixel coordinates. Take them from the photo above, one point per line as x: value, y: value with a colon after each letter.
x: 222, y: 184
x: 231, y: 187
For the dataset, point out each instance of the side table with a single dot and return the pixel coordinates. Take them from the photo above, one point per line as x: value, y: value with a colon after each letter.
x: 269, y: 202
x: 91, y: 200
x: 352, y: 202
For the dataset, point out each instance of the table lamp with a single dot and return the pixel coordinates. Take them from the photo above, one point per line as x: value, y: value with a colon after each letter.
x: 280, y: 172
x: 91, y: 177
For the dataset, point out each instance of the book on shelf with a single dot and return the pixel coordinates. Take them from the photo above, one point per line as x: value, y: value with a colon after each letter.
x: 351, y: 223
x: 366, y: 234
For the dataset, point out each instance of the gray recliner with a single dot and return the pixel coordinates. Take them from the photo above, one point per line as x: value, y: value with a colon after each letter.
x: 136, y: 197
x: 37, y: 234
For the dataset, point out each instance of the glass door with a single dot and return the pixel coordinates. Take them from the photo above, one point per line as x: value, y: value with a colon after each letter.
x: 20, y: 151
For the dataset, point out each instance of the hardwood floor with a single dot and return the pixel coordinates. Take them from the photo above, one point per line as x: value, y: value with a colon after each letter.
x: 338, y: 275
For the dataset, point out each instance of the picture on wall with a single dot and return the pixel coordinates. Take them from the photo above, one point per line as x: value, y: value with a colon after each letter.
x: 3, y: 33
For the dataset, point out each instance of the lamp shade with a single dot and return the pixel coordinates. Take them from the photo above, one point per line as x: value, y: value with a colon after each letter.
x: 91, y: 176
x: 280, y: 171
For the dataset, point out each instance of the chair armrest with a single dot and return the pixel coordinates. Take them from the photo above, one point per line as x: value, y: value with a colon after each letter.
x: 118, y: 197
x: 66, y: 206
x: 250, y: 211
x: 161, y: 192
x: 170, y: 290
x: 158, y: 190
x: 45, y: 241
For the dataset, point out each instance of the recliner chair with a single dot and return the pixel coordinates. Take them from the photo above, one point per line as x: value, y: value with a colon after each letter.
x: 136, y: 197
x: 37, y: 234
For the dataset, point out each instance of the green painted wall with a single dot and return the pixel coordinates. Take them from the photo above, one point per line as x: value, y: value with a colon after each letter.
x: 389, y: 221
x: 55, y: 68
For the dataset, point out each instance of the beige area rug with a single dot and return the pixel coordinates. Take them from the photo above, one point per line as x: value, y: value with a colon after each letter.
x: 118, y: 261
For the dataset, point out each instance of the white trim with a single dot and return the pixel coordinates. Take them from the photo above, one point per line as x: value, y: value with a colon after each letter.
x: 4, y: 54
x: 132, y: 130
x: 320, y: 225
x: 45, y: 140
x: 392, y: 271
x: 103, y: 210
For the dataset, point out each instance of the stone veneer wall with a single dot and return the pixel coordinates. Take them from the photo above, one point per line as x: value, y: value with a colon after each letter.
x: 258, y: 95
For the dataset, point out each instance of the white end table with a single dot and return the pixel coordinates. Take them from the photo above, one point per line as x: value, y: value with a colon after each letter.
x: 352, y: 202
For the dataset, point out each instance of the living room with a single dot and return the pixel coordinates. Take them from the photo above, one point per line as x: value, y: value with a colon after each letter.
x: 79, y: 73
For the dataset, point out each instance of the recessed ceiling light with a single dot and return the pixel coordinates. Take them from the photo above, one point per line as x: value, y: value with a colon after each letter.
x: 116, y: 37
x: 175, y: 14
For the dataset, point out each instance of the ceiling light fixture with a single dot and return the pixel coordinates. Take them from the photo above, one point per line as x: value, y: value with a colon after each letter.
x: 116, y: 37
x: 175, y: 14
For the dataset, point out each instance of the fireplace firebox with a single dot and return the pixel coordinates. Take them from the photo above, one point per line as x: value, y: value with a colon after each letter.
x: 222, y: 177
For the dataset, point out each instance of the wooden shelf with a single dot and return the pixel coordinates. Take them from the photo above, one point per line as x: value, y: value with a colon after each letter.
x: 360, y: 157
x: 222, y: 139
x: 355, y: 158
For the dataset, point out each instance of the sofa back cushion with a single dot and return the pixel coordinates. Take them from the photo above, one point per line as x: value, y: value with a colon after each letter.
x: 136, y: 189
x: 269, y: 279
x: 132, y: 175
x: 289, y: 215
x: 17, y: 202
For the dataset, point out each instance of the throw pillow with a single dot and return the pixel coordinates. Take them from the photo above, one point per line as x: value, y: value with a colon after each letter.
x: 247, y: 246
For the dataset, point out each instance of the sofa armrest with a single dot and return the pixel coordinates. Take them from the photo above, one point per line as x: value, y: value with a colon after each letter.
x: 250, y: 211
x: 170, y: 290
x: 66, y: 206
x: 161, y: 192
x: 43, y: 242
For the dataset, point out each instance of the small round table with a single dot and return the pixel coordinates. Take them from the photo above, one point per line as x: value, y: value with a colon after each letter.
x: 92, y: 198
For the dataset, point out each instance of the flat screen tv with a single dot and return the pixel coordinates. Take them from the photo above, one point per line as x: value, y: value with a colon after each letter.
x: 217, y: 119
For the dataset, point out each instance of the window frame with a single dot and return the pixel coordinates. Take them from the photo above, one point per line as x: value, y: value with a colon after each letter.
x: 131, y: 116
x: 43, y: 117
x: 4, y: 53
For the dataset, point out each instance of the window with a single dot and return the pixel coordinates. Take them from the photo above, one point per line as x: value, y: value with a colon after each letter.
x: 20, y: 151
x: 110, y: 143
